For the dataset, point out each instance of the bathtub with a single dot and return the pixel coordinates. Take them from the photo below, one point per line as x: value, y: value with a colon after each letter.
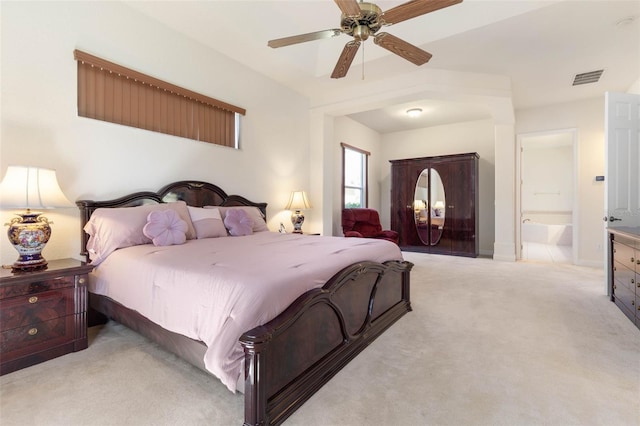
x: 558, y: 235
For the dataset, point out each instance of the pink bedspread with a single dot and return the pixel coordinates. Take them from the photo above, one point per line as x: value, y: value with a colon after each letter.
x: 216, y: 289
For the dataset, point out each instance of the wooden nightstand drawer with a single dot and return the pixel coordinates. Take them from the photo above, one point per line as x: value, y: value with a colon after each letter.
x: 36, y: 286
x: 36, y: 337
x: 29, y: 309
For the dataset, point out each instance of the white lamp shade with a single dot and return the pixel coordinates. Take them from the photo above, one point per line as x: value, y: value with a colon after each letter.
x: 31, y: 188
x: 298, y: 201
x: 439, y: 205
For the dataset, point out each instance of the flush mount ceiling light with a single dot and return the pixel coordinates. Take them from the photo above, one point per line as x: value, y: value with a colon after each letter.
x: 414, y: 112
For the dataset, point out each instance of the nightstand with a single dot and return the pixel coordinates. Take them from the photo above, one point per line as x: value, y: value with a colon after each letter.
x: 43, y: 314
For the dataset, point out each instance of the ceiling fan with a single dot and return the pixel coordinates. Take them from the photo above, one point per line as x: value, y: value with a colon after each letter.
x: 361, y: 20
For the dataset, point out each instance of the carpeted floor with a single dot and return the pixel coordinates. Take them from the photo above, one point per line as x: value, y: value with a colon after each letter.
x: 488, y: 343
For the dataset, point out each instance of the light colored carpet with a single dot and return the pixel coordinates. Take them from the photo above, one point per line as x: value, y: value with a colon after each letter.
x: 488, y: 343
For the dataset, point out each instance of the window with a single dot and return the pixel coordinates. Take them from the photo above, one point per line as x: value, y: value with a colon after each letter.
x: 354, y: 177
x: 111, y: 92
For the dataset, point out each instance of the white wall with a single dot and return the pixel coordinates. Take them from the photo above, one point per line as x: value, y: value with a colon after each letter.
x: 547, y: 178
x: 355, y: 134
x: 635, y: 87
x: 98, y: 160
x: 588, y: 118
x: 474, y: 136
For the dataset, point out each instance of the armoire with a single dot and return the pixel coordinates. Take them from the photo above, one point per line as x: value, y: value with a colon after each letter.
x: 434, y: 203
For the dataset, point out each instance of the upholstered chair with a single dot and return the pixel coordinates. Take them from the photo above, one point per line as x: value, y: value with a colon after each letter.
x: 365, y: 223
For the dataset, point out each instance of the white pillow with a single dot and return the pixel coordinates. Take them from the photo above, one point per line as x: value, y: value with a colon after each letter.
x: 207, y: 222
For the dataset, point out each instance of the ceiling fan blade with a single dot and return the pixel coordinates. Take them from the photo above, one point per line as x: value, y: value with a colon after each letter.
x: 414, y: 8
x: 346, y: 57
x: 349, y: 7
x: 401, y: 48
x: 301, y: 38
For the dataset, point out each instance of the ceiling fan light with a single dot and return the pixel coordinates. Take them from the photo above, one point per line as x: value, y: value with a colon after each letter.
x: 361, y: 32
x: 414, y: 112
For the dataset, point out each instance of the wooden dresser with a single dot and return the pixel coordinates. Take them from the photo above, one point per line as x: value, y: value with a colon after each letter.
x: 625, y: 271
x: 43, y: 314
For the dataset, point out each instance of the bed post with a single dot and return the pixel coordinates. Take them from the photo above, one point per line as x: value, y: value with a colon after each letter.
x: 255, y: 396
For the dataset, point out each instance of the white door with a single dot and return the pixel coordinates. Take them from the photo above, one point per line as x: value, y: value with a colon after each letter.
x: 622, y: 198
x: 622, y: 127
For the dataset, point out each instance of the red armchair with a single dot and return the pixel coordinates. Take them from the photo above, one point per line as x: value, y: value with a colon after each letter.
x: 365, y: 223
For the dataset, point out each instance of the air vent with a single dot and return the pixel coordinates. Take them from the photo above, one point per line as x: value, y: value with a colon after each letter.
x: 587, y: 77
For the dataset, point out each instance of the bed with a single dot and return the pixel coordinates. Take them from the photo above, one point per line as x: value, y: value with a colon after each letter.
x: 286, y: 359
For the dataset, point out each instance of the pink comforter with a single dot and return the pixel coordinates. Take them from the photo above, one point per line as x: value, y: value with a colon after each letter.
x: 216, y: 289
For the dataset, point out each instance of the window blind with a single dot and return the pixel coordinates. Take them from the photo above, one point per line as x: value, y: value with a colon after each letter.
x: 113, y: 93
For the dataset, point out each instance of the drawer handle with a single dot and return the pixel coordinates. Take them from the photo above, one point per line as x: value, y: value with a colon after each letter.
x: 33, y: 299
x: 633, y: 260
x: 633, y: 302
x: 32, y: 331
x: 81, y: 280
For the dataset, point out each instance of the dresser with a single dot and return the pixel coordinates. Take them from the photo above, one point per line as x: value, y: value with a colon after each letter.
x: 43, y: 314
x: 625, y: 271
x: 434, y: 203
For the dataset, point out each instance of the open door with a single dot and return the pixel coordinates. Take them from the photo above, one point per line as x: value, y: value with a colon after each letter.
x: 622, y: 198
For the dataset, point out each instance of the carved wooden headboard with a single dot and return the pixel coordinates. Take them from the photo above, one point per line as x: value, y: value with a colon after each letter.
x: 194, y: 193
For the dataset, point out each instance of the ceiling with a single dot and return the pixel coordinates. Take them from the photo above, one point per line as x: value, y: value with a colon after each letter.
x: 538, y: 45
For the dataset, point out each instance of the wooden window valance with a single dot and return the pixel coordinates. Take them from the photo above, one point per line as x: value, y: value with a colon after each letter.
x: 113, y: 93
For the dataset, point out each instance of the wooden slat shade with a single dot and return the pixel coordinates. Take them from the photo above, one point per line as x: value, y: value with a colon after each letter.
x: 110, y: 92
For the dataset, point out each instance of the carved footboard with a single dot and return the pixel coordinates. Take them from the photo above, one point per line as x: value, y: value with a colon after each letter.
x: 288, y: 359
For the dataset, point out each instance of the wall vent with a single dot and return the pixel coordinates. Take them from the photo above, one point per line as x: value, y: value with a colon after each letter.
x: 587, y: 77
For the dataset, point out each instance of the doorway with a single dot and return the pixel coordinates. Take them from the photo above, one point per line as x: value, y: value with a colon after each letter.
x: 547, y: 195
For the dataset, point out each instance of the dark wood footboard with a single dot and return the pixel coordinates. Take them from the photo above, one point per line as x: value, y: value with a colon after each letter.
x: 288, y: 359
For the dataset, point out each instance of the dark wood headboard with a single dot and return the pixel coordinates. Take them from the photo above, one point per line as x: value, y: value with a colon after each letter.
x: 194, y: 193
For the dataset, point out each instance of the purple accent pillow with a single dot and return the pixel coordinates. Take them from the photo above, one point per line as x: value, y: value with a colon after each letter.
x: 238, y: 222
x: 259, y: 223
x: 165, y: 228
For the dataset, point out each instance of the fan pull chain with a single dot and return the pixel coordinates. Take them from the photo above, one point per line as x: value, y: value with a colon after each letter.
x: 363, y: 43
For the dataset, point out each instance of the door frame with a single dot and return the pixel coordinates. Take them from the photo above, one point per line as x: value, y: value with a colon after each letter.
x: 575, y: 222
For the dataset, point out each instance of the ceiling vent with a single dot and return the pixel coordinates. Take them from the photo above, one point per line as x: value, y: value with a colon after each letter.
x: 587, y: 77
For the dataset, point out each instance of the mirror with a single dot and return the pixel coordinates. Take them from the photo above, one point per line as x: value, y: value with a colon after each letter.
x: 429, y: 207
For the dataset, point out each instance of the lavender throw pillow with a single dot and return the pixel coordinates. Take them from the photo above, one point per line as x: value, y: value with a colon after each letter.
x: 238, y: 222
x: 165, y: 228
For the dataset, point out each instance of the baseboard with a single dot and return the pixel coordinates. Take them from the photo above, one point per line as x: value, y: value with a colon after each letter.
x: 505, y: 252
x: 590, y: 263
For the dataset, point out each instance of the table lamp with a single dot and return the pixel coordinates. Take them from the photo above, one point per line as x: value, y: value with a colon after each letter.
x: 30, y: 188
x: 298, y: 201
x: 438, y: 206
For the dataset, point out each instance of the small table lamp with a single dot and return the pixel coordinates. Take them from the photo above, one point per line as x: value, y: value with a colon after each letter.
x: 30, y: 188
x: 298, y: 201
x: 438, y: 207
